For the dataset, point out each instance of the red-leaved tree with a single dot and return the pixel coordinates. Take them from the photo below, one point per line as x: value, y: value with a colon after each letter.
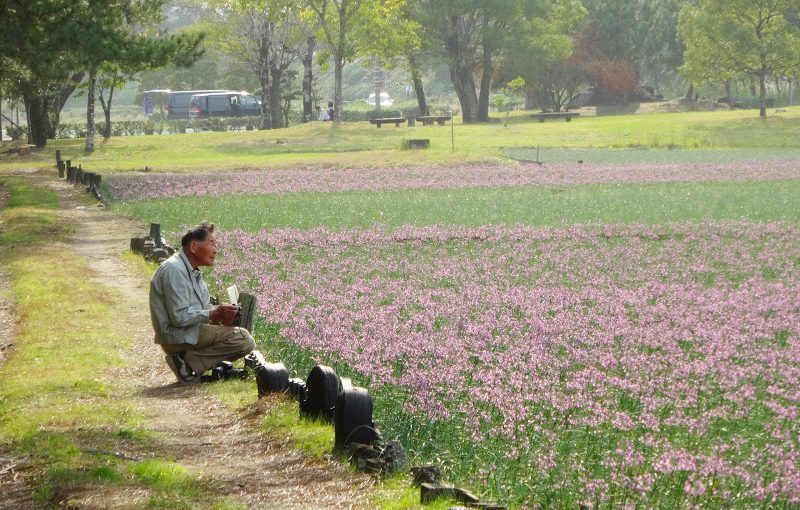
x: 613, y: 81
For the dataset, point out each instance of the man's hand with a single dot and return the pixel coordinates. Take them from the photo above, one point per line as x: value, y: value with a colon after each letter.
x: 223, y: 314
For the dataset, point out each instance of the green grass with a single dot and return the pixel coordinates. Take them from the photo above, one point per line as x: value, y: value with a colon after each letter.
x: 29, y: 215
x: 538, y: 206
x: 315, y: 437
x: 396, y: 494
x: 361, y: 144
x: 643, y: 155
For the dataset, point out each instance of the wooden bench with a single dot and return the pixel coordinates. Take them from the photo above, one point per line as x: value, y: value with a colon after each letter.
x: 389, y: 120
x: 22, y: 150
x: 428, y: 120
x: 542, y: 116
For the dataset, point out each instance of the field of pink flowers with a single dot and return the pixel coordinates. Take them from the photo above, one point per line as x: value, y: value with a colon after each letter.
x: 631, y: 365
x: 142, y: 186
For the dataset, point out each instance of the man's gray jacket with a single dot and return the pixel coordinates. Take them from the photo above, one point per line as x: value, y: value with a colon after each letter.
x: 179, y: 301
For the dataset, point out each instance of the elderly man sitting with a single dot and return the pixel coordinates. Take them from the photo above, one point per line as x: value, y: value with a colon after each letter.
x: 195, y: 335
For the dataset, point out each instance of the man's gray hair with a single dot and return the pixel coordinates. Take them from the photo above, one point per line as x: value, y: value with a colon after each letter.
x: 197, y: 233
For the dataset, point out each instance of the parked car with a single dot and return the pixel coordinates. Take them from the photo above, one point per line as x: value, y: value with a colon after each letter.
x: 178, y: 102
x: 224, y: 104
x: 385, y: 99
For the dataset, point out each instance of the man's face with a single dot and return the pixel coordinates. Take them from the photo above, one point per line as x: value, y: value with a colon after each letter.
x: 204, y: 252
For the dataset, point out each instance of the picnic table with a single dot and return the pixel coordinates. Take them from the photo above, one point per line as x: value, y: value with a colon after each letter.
x: 390, y: 120
x: 542, y: 116
x: 428, y: 120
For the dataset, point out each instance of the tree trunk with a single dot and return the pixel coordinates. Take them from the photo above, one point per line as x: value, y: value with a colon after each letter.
x: 308, y: 80
x: 107, y: 127
x: 377, y: 83
x: 107, y: 108
x: 464, y: 84
x: 38, y: 119
x: 275, y: 97
x: 337, y: 86
x: 416, y: 78
x: 762, y: 100
x: 266, y: 121
x: 530, y: 98
x: 59, y: 100
x: 728, y: 94
x: 690, y: 96
x: 90, y: 112
x: 338, y: 62
x: 486, y: 81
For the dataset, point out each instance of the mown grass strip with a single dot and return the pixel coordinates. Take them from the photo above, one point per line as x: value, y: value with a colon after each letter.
x: 535, y: 205
x: 29, y: 214
x: 361, y: 144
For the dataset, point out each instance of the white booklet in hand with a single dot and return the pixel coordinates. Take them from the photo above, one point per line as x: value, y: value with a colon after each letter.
x: 233, y: 294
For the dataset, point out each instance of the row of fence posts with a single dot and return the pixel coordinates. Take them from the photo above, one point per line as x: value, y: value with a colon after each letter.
x: 78, y: 176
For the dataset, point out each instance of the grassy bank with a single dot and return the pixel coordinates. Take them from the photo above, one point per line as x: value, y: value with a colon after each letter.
x: 361, y: 144
x: 60, y: 405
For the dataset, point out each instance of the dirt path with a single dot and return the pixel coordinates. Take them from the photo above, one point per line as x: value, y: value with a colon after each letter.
x: 198, y: 432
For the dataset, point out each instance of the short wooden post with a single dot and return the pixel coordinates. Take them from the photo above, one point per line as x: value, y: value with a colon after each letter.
x: 155, y: 233
x: 60, y: 169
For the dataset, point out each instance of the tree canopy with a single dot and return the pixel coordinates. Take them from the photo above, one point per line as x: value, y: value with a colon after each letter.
x: 46, y: 46
x: 733, y: 38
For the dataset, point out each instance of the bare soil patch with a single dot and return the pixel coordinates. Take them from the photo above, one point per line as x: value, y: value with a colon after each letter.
x: 221, y: 447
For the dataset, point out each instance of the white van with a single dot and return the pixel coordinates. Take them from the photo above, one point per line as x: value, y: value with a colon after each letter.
x: 224, y: 104
x: 385, y: 99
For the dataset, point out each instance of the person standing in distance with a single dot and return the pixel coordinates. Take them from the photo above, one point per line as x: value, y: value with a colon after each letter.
x: 195, y: 335
x: 331, y: 111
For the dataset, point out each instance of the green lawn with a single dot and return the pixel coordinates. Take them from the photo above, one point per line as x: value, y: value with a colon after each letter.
x: 536, y: 205
x: 361, y: 144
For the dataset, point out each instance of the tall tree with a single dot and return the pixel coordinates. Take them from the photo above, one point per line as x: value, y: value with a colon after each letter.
x: 661, y: 47
x: 455, y: 28
x: 47, y: 45
x: 118, y: 38
x: 729, y: 38
x: 36, y: 61
x: 471, y: 35
x: 340, y: 23
x: 619, y: 28
x: 387, y: 31
x: 639, y: 33
x: 546, y: 55
x: 337, y: 19
x: 305, y: 54
x: 263, y: 35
